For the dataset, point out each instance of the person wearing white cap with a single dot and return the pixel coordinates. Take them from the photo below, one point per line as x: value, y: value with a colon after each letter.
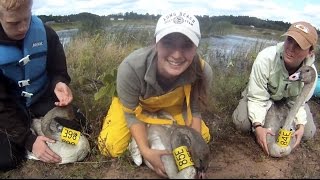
x: 168, y: 77
x: 269, y: 85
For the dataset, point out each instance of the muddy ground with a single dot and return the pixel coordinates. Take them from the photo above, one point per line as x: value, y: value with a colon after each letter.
x: 234, y: 155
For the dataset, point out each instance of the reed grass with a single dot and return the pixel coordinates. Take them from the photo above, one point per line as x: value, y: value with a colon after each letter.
x: 91, y: 57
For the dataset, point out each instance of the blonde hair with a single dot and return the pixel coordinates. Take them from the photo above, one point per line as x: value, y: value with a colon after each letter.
x: 11, y: 5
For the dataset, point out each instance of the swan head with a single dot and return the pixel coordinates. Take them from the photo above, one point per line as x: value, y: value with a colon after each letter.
x: 198, y: 148
x: 53, y: 121
x: 305, y: 74
x: 200, y: 156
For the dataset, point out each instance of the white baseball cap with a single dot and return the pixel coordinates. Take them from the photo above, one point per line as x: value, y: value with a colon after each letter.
x: 181, y: 22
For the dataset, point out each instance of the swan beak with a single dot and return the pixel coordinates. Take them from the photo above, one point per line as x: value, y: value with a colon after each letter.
x: 201, y: 175
x: 295, y: 77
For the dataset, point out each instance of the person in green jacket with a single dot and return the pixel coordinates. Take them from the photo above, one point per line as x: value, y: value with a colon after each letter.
x: 268, y: 85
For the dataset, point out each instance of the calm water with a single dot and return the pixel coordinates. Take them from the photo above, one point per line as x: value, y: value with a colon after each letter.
x: 66, y: 35
x: 228, y: 43
x: 231, y: 42
x: 218, y: 50
x: 224, y: 50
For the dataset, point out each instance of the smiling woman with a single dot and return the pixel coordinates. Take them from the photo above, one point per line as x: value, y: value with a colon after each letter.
x: 168, y: 78
x: 175, y: 54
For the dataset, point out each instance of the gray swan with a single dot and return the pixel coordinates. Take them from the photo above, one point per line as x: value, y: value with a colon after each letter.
x: 281, y: 115
x: 169, y: 137
x: 49, y: 127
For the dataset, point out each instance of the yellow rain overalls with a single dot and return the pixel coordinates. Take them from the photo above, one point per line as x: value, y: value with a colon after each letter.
x: 115, y: 136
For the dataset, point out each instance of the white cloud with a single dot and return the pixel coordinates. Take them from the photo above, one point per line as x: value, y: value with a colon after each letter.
x: 287, y: 11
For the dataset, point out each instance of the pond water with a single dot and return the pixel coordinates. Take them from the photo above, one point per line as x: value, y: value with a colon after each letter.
x: 231, y: 42
x: 224, y: 50
x: 66, y: 35
x: 221, y: 50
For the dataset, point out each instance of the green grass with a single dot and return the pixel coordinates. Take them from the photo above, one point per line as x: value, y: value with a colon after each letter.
x: 64, y: 26
x: 257, y: 32
x: 143, y: 22
x: 91, y: 57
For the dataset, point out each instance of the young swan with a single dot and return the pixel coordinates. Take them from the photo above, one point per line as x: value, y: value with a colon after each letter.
x: 281, y: 115
x: 169, y: 137
x: 49, y: 127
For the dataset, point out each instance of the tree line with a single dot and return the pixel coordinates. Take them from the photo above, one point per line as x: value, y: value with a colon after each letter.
x: 96, y: 21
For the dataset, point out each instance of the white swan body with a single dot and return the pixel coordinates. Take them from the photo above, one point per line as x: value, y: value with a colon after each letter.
x: 48, y: 127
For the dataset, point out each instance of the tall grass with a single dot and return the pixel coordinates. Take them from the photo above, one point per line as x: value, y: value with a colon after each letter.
x: 231, y: 70
x: 91, y: 57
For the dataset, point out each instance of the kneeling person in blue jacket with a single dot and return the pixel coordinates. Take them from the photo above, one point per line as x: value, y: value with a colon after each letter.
x: 33, y: 80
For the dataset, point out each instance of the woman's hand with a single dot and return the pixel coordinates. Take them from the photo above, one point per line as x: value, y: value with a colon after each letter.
x: 63, y: 93
x: 153, y: 156
x: 261, y: 135
x: 298, y: 135
x: 41, y: 150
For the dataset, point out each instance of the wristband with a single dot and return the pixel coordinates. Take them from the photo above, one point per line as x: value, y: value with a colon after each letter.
x: 258, y: 125
x: 255, y: 126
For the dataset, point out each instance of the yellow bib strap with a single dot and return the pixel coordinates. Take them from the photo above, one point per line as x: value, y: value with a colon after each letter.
x: 150, y: 120
x: 154, y: 104
x: 187, y: 91
x: 147, y: 119
x: 127, y: 110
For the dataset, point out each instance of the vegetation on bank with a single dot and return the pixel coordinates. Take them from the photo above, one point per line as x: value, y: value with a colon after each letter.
x: 93, y: 57
x: 208, y: 24
x: 64, y: 26
x: 93, y: 60
x: 99, y: 54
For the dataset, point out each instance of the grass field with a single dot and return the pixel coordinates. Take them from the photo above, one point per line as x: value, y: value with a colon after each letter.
x: 93, y: 58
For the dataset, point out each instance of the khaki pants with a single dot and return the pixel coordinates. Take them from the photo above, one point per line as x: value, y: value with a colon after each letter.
x: 242, y: 122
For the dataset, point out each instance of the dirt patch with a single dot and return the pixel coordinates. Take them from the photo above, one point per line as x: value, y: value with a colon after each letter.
x: 234, y: 155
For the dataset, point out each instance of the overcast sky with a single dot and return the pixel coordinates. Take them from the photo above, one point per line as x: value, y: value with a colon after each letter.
x: 279, y: 10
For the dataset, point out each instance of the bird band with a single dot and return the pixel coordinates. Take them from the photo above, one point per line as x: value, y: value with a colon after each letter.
x: 70, y: 136
x: 182, y: 157
x: 284, y: 137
